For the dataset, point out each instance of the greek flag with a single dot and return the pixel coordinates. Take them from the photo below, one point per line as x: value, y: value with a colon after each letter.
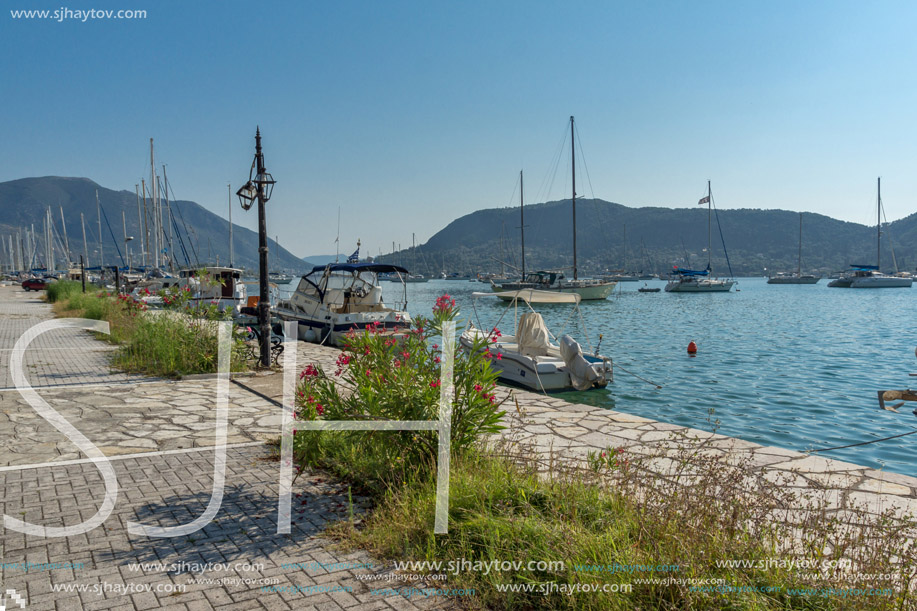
x: 355, y: 257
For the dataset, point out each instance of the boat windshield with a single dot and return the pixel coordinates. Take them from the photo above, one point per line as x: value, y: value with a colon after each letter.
x: 318, y: 284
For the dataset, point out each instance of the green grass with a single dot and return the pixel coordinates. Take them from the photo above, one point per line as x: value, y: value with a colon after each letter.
x: 510, y: 507
x: 172, y: 346
x: 63, y: 289
x: 166, y: 345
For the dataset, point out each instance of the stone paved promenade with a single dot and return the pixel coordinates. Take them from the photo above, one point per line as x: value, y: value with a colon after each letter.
x: 159, y: 434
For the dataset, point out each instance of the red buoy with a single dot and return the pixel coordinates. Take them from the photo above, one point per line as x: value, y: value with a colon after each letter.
x: 692, y: 348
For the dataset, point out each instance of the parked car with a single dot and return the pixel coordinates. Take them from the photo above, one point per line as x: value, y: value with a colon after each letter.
x: 35, y: 284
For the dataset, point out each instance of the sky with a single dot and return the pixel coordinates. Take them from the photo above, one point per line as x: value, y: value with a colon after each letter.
x: 405, y: 115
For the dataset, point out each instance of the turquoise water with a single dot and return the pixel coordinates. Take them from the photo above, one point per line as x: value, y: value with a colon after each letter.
x: 790, y: 366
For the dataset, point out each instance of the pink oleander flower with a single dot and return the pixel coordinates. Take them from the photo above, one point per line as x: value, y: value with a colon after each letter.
x: 319, y: 409
x: 444, y: 305
x: 434, y: 383
x: 436, y: 359
x: 499, y: 356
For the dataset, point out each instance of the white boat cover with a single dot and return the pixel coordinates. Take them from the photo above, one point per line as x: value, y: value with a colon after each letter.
x: 582, y: 373
x: 532, y: 335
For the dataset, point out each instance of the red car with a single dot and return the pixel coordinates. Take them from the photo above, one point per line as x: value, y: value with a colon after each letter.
x: 35, y: 284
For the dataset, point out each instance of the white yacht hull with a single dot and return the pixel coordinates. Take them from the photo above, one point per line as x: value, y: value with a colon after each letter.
x: 589, y: 292
x: 699, y: 286
x: 881, y: 282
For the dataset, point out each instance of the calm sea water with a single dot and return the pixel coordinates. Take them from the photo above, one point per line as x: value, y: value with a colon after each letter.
x: 790, y: 366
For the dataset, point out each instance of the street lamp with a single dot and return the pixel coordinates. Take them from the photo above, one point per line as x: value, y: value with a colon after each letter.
x: 259, y: 187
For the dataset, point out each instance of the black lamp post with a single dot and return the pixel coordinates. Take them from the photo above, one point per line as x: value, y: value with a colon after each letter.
x: 260, y: 185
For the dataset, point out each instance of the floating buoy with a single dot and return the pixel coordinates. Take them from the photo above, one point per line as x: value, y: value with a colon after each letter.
x: 692, y: 348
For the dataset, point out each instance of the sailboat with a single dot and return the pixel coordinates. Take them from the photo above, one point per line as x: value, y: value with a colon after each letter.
x: 414, y: 277
x: 798, y: 277
x: 621, y: 275
x: 869, y: 276
x: 699, y: 281
x: 587, y: 288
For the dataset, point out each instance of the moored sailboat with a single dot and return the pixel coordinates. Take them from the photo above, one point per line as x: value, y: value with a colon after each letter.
x: 699, y: 281
x: 589, y: 289
x: 870, y: 276
x: 798, y: 277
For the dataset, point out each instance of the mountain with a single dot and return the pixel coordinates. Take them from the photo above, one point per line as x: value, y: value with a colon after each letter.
x: 657, y: 239
x: 199, y: 237
x: 323, y: 259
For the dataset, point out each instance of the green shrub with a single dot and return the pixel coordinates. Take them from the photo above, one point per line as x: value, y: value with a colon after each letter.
x: 62, y: 289
x: 381, y: 376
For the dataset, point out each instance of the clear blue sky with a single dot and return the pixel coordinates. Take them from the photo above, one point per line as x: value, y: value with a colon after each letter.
x: 407, y: 115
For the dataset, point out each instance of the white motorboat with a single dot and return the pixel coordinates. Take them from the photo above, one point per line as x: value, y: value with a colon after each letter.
x: 869, y: 276
x: 334, y: 299
x: 221, y: 286
x: 532, y: 357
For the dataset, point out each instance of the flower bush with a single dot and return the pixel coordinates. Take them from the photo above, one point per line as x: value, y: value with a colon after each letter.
x: 384, y: 375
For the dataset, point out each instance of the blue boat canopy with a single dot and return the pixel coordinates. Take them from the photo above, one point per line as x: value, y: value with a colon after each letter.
x: 865, y: 268
x: 378, y: 268
x: 690, y: 272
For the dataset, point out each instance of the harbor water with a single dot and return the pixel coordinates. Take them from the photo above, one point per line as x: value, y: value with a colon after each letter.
x: 784, y: 365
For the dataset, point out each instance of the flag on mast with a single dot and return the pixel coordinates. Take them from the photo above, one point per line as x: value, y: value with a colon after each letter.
x: 355, y: 257
x: 703, y: 200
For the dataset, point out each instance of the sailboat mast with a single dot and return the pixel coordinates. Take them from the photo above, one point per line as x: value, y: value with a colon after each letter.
x: 168, y: 212
x: 99, y: 211
x: 85, y: 243
x: 709, y: 224
x: 879, y: 224
x: 522, y: 223
x: 124, y: 230
x: 573, y: 174
x: 139, y: 218
x: 155, y: 203
x: 63, y: 223
x: 799, y: 260
x: 229, y: 188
